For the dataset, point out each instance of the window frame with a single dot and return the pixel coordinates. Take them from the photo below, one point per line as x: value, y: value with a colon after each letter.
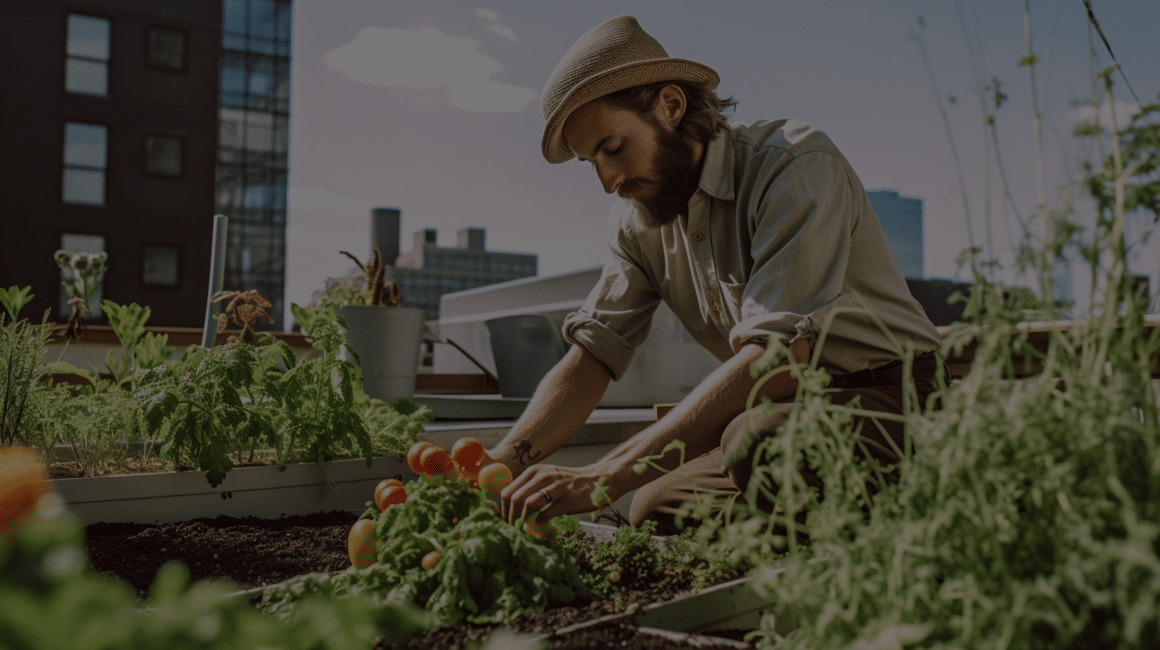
x: 64, y: 165
x: 141, y: 266
x: 184, y: 48
x: 107, y: 62
x: 145, y: 155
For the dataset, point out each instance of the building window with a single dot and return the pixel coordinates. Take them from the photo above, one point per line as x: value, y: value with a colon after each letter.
x: 161, y: 265
x: 166, y: 49
x: 85, y: 160
x: 164, y: 155
x: 86, y: 68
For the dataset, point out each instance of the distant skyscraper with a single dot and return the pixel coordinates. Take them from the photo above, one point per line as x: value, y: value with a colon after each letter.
x: 428, y: 270
x: 901, y: 219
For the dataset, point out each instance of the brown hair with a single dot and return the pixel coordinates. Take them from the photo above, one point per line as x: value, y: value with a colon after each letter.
x: 704, y: 113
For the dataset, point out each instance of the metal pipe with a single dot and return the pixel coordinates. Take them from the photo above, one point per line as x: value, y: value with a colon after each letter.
x: 217, y: 272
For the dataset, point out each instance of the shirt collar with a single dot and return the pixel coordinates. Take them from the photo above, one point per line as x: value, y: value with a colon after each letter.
x: 717, y: 170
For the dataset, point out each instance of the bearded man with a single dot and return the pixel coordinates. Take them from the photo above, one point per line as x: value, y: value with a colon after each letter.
x: 750, y: 234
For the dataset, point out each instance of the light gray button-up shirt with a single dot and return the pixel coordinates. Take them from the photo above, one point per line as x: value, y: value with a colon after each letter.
x: 780, y: 241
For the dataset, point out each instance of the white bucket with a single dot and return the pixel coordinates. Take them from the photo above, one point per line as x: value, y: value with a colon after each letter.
x: 387, y: 341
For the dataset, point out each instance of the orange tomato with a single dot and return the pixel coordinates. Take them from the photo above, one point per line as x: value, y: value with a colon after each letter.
x: 360, y: 543
x: 383, y: 485
x: 435, y: 461
x: 414, y: 453
x: 467, y: 452
x: 430, y: 560
x: 494, y: 478
x: 391, y: 495
x: 22, y: 483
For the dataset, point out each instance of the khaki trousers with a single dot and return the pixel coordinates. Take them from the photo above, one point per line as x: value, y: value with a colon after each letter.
x: 879, y: 390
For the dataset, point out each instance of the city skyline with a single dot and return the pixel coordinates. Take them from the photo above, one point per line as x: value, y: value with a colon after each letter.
x: 434, y: 108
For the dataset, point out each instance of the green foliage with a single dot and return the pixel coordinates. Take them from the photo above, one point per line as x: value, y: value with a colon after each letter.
x: 489, y: 570
x: 1139, y: 172
x: 198, y: 406
x: 14, y: 299
x: 22, y: 346
x: 212, y: 403
x: 52, y: 601
x: 139, y: 350
x: 102, y: 424
x: 635, y: 560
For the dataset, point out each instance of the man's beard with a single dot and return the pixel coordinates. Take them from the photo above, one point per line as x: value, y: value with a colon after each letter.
x: 677, y: 176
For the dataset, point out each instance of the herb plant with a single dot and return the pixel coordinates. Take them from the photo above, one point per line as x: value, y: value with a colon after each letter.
x: 22, y: 346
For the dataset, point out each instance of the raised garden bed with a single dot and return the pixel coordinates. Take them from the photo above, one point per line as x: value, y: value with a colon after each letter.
x: 254, y: 553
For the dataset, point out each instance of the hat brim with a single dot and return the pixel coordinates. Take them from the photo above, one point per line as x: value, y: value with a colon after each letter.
x: 637, y: 73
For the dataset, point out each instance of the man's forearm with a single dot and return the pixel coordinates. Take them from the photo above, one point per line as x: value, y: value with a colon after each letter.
x: 697, y: 420
x: 561, y: 404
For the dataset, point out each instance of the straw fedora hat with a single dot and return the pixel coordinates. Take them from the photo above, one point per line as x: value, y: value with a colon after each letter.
x: 612, y: 56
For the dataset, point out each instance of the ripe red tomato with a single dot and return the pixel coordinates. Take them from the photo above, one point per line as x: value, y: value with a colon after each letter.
x: 430, y: 560
x: 435, y: 461
x: 390, y: 495
x: 467, y: 452
x: 360, y: 543
x: 414, y: 453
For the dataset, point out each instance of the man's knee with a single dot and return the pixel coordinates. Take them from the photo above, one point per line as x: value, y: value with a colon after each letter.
x: 740, y: 439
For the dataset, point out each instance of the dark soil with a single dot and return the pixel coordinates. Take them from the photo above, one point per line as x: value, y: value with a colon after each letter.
x: 251, y: 552
x: 254, y: 552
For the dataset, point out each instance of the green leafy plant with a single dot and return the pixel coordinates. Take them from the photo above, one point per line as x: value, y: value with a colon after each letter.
x: 489, y: 570
x: 139, y: 349
x: 211, y: 405
x: 14, y: 299
x: 22, y: 347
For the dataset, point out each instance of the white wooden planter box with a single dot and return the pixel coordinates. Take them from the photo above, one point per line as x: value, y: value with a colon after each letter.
x: 264, y: 492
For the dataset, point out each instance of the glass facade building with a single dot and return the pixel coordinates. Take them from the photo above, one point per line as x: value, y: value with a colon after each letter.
x: 253, y: 145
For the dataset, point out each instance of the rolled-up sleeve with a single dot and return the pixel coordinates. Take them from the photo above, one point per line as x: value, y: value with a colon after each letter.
x: 618, y: 312
x: 801, y: 230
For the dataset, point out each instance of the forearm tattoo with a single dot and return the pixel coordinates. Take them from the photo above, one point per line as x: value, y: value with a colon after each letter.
x: 524, y: 453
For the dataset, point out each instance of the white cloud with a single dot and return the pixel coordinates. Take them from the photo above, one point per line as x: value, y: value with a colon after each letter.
x: 487, y: 14
x: 497, y: 26
x: 1087, y: 115
x: 426, y: 59
x: 506, y: 32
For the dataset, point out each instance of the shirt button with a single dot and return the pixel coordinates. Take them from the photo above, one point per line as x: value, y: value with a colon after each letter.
x: 697, y: 236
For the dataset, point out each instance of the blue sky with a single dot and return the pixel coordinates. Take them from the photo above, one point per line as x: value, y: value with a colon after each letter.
x: 433, y: 107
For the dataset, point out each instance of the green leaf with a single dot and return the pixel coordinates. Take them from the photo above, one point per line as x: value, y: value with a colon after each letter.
x: 15, y: 299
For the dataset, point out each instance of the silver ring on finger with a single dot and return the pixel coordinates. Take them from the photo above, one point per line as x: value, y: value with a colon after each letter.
x: 547, y: 497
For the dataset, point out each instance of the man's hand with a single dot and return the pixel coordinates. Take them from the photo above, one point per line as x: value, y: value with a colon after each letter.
x: 551, y: 491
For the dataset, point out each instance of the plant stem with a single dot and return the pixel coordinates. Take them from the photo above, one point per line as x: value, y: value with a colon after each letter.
x: 917, y: 36
x: 1046, y: 280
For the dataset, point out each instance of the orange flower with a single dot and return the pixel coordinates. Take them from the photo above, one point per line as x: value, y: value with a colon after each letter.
x: 22, y: 482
